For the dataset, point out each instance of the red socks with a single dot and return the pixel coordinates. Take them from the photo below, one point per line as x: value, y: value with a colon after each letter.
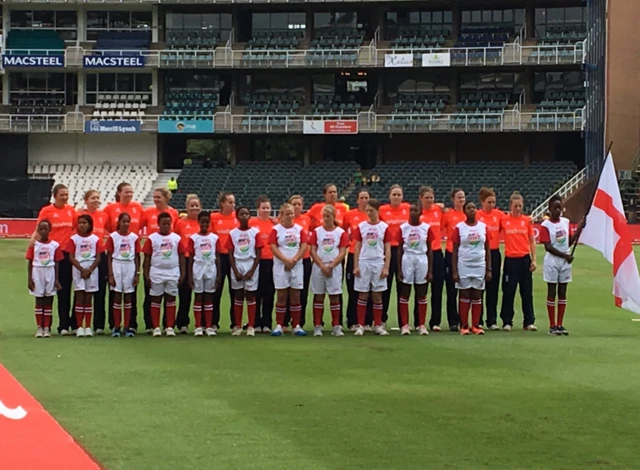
x: 335, y: 313
x: 79, y: 311
x: 476, y: 312
x: 318, y: 312
x: 208, y: 315
x: 170, y: 313
x: 238, y: 305
x: 155, y: 315
x: 422, y: 311
x: 551, y: 311
x: 281, y: 311
x: 463, y: 308
x: 295, y: 310
x: 88, y: 312
x: 197, y: 314
x: 127, y: 315
x: 48, y: 318
x: 562, y: 306
x: 39, y: 311
x: 117, y: 315
x: 404, y: 311
x: 377, y: 313
x: 361, y: 311
x: 251, y: 312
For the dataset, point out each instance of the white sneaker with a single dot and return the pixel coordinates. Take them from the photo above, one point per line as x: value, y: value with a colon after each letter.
x: 157, y: 332
x: 359, y: 331
x: 99, y: 331
x: 380, y: 330
x: 79, y: 332
x: 277, y: 331
x: 531, y: 328
x: 88, y: 332
x: 266, y: 330
x: 198, y: 332
x: 405, y: 330
x: 215, y: 328
x: 39, y: 332
x: 237, y: 331
x: 337, y: 331
x: 368, y: 328
x: 170, y: 332
x: 353, y: 327
x: 251, y: 331
x: 298, y: 331
x: 317, y: 331
x: 184, y: 330
x: 64, y: 332
x: 494, y: 327
x: 211, y: 332
x: 46, y: 333
x: 422, y: 331
x: 436, y: 328
x: 506, y: 328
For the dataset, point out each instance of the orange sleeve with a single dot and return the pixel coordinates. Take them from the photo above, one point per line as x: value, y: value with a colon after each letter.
x: 430, y: 236
x: 455, y: 237
x: 99, y: 246
x: 259, y: 240
x: 58, y: 256
x: 344, y: 240
x: 356, y: 235
x: 229, y: 246
x: 313, y: 239
x: 148, y: 247
x: 70, y: 247
x: 219, y: 245
x: 192, y: 246
x: 545, y: 236
x: 530, y: 229
x: 44, y: 212
x: 109, y: 247
x: 399, y: 238
x: 30, y: 253
x: 387, y: 236
x: 137, y: 244
x: 273, y: 237
x: 304, y: 236
x: 182, y: 248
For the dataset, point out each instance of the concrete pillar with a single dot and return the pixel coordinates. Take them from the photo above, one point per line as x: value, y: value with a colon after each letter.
x: 154, y: 88
x: 155, y: 17
x: 6, y: 23
x: 456, y: 25
x: 81, y: 87
x: 530, y: 21
x: 5, y: 89
x: 82, y: 23
x: 310, y: 26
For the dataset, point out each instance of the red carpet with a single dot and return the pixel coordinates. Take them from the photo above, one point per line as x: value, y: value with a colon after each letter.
x: 30, y: 439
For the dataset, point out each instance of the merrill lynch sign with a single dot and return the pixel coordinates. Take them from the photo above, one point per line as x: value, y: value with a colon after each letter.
x: 398, y: 60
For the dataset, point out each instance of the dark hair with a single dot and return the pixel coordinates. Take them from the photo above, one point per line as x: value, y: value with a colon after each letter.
x: 464, y: 206
x: 554, y: 198
x: 455, y: 191
x: 45, y: 221
x: 360, y: 191
x: 223, y: 197
x: 327, y: 186
x: 163, y: 215
x: 239, y: 208
x: 374, y: 203
x: 426, y: 189
x: 261, y: 199
x: 119, y: 189
x: 57, y: 188
x: 486, y: 193
x: 203, y: 214
x: 120, y: 217
x: 88, y: 219
x: 395, y: 186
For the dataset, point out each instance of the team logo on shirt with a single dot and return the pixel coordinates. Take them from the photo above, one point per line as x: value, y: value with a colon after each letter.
x: 414, y: 240
x: 473, y: 238
x: 85, y: 250
x: 125, y: 249
x: 206, y: 248
x: 44, y: 257
x: 372, y: 238
x: 290, y: 240
x: 328, y: 245
x: 166, y: 248
x: 243, y: 243
x: 561, y: 236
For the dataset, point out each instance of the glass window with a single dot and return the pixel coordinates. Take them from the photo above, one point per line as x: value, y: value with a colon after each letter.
x: 92, y: 82
x: 143, y: 82
x: 119, y: 20
x: 192, y: 21
x: 43, y: 19
x: 18, y: 81
x: 97, y: 19
x: 225, y: 21
x: 466, y: 17
x: 107, y: 82
x: 66, y: 19
x: 573, y: 15
x: 260, y: 21
x: 37, y: 81
x: 141, y: 20
x: 56, y: 82
x: 174, y: 20
x: 436, y: 17
x: 20, y: 19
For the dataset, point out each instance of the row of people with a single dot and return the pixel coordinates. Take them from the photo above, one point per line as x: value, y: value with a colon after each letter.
x: 519, y: 263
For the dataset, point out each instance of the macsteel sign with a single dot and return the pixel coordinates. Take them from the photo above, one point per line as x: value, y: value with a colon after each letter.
x: 98, y: 61
x: 185, y: 126
x: 330, y: 127
x: 121, y: 127
x: 32, y: 60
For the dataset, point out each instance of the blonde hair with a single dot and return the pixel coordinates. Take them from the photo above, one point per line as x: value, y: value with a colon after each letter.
x: 284, y: 207
x: 294, y: 197
x: 192, y: 197
x: 89, y: 193
x: 329, y: 210
x: 165, y: 193
x: 515, y: 196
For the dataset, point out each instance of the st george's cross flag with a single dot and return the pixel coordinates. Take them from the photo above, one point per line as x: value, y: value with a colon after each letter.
x: 606, y: 231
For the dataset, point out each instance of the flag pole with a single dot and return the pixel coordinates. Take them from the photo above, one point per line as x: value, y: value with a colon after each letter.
x: 593, y: 196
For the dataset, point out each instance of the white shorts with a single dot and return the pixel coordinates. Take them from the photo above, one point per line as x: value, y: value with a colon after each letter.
x: 45, y: 282
x: 556, y: 270
x: 283, y: 279
x: 159, y: 288
x: 369, y: 279
x: 124, y: 273
x: 87, y: 285
x: 204, y: 284
x: 243, y: 267
x: 320, y: 284
x: 469, y: 282
x: 414, y: 268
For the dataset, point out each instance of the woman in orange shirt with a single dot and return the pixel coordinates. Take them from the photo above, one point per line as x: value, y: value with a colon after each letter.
x: 519, y: 264
x: 351, y: 220
x: 303, y: 221
x: 221, y: 224
x: 266, y: 290
x: 450, y: 219
x: 185, y: 227
x: 62, y: 218
x: 330, y: 192
x: 124, y: 204
x: 92, y: 207
x: 394, y: 214
x: 491, y: 217
x: 432, y: 215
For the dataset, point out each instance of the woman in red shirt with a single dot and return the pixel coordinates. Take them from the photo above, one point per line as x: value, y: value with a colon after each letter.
x: 491, y: 217
x: 351, y: 220
x: 185, y: 227
x: 519, y: 264
x: 266, y: 290
x: 394, y: 214
x: 432, y: 215
x: 63, y: 219
x: 124, y: 203
x: 303, y: 221
x: 330, y: 192
x: 92, y: 207
x: 450, y: 219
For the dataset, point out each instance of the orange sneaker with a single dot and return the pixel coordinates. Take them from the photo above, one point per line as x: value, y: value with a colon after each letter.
x: 477, y: 330
x: 464, y: 330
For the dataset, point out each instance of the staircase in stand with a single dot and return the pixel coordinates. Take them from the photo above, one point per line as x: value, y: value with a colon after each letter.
x: 160, y: 182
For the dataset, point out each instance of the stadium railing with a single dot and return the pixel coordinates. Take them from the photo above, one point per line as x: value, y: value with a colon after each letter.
x: 564, y: 191
x: 369, y: 55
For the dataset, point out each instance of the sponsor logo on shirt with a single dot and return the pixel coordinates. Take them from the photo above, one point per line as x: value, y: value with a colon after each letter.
x: 85, y: 249
x: 290, y: 240
x: 166, y: 248
x: 372, y: 238
x: 125, y: 249
x: 206, y: 248
x: 473, y: 238
x: 243, y: 243
x: 44, y: 256
x: 561, y: 236
x: 414, y: 239
x: 328, y: 244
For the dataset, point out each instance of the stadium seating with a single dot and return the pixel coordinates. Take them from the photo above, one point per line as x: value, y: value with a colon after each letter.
x: 485, y: 35
x: 564, y: 34
x: 483, y: 102
x: 335, y: 45
x: 193, y: 39
x: 24, y: 197
x: 555, y: 101
x: 248, y: 180
x: 190, y: 102
x: 44, y: 39
x: 421, y: 103
x: 329, y: 103
x: 105, y: 178
x: 535, y: 182
x: 121, y: 106
x: 37, y: 103
x: 416, y: 37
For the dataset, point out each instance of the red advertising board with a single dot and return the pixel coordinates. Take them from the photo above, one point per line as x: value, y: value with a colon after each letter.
x: 17, y: 228
x: 341, y: 127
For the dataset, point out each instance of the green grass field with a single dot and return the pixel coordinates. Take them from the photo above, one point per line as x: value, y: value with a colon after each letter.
x: 503, y: 401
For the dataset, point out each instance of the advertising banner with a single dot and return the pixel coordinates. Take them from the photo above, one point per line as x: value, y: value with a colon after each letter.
x: 349, y: 126
x: 185, y: 126
x: 398, y: 60
x: 17, y: 228
x: 441, y: 59
x: 32, y: 60
x: 122, y: 127
x: 110, y: 61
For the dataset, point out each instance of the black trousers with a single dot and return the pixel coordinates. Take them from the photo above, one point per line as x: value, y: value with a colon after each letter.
x: 146, y: 310
x: 453, y: 318
x: 352, y: 302
x: 437, y: 285
x: 492, y: 289
x: 517, y: 273
x: 386, y: 295
x: 225, y: 273
x: 100, y: 297
x: 265, y: 295
x: 66, y: 320
x: 184, y: 297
